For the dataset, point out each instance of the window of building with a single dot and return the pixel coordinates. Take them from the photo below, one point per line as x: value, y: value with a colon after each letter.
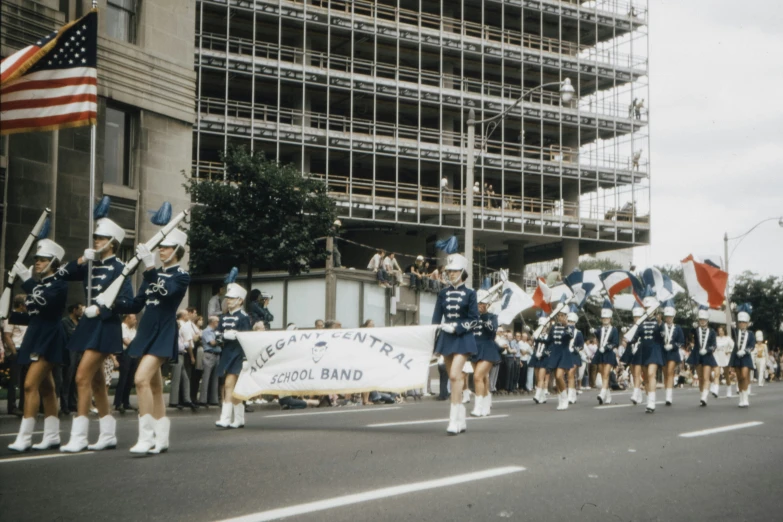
x: 121, y: 19
x: 118, y: 144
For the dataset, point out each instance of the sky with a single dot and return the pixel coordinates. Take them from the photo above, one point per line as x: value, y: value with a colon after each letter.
x: 716, y: 127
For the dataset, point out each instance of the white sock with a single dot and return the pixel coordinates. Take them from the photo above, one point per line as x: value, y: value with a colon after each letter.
x: 669, y: 394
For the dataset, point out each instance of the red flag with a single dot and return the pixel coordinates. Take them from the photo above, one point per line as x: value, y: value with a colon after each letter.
x: 541, y: 296
x: 706, y: 282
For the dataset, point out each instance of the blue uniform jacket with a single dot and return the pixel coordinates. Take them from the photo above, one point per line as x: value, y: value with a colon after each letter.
x: 677, y: 337
x: 649, y: 333
x: 161, y: 293
x: 232, y: 354
x: 486, y: 328
x: 557, y: 343
x: 102, y: 333
x: 745, y: 361
x: 695, y: 358
x: 45, y: 333
x: 612, y: 340
x: 460, y: 307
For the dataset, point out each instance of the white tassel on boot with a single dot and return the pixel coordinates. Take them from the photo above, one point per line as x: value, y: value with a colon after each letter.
x: 562, y: 400
x: 650, y: 402
x: 239, y: 416
x: 161, y: 427
x: 453, y: 428
x: 80, y: 427
x: 572, y: 395
x: 24, y: 439
x: 51, y: 435
x: 146, y: 435
x: 704, y: 396
x: 602, y: 396
x: 669, y: 396
x: 461, y: 413
x: 225, y: 415
x: 487, y: 408
x: 478, y: 406
x: 107, y: 438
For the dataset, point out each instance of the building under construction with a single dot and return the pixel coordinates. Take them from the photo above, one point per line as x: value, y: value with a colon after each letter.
x: 373, y: 97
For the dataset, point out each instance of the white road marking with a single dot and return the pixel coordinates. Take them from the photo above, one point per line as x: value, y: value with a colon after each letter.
x: 329, y: 412
x: 721, y: 429
x: 14, y: 434
x: 512, y: 400
x: 430, y: 421
x: 610, y: 406
x: 376, y: 494
x: 38, y: 457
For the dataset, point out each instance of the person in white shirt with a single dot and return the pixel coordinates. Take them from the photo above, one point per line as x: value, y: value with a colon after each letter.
x: 180, y: 382
x: 525, y: 371
x: 722, y: 355
x: 392, y: 268
x: 760, y: 355
x: 215, y: 305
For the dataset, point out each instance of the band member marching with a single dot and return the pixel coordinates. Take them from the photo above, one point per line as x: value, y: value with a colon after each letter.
x: 576, y: 345
x: 234, y: 321
x: 537, y: 360
x: 43, y: 343
x: 605, y: 358
x: 457, y: 308
x: 156, y: 339
x: 632, y: 356
x: 99, y: 333
x: 651, y: 340
x: 673, y: 340
x: 701, y: 356
x: 558, y: 341
x: 742, y: 356
x: 487, y: 355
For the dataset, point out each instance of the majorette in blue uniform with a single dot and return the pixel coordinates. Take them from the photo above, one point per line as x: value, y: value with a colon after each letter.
x: 539, y: 358
x: 706, y: 340
x: 608, y: 339
x: 742, y: 354
x: 632, y: 353
x: 102, y: 333
x: 558, y: 341
x: 575, y: 348
x: 488, y: 350
x: 650, y: 340
x: 232, y: 355
x: 673, y: 340
x: 45, y: 336
x: 100, y: 328
x: 457, y: 309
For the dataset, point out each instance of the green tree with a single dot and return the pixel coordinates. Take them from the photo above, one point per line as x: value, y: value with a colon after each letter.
x: 263, y: 216
x: 766, y: 297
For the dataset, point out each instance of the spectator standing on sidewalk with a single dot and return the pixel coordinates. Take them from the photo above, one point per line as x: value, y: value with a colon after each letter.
x: 525, y: 351
x: 208, y: 394
x: 13, y: 334
x: 215, y: 305
x: 68, y: 395
x: 180, y: 383
x: 196, y: 367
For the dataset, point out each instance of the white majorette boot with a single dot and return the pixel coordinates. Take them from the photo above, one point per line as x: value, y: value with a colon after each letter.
x: 729, y: 391
x: 239, y: 416
x: 24, y: 439
x: 669, y: 396
x: 608, y: 396
x: 80, y: 427
x: 225, y: 415
x: 704, y: 395
x: 461, y: 413
x: 572, y: 395
x: 161, y: 427
x: 562, y: 400
x: 636, y: 396
x: 715, y: 389
x: 478, y: 406
x: 602, y: 396
x: 146, y: 435
x: 107, y: 438
x: 487, y: 407
x: 465, y: 396
x: 650, y: 403
x: 51, y: 435
x: 537, y: 396
x: 453, y: 428
x: 744, y: 399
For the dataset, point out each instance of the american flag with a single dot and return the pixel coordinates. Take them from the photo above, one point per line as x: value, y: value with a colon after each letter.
x: 53, y: 83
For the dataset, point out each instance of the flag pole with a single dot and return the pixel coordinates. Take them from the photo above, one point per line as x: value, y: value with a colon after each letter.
x: 93, y: 137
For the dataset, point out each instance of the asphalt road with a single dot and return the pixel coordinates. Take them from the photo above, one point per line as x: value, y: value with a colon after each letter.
x: 525, y: 462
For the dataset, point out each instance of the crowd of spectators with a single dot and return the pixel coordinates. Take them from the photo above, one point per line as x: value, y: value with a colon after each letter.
x: 421, y: 274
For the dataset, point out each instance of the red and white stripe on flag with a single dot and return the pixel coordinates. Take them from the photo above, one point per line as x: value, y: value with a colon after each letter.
x: 541, y: 296
x: 616, y: 283
x: 52, y: 84
x: 706, y: 283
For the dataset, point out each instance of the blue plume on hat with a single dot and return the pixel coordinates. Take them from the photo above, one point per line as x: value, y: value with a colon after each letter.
x: 703, y: 307
x: 607, y: 304
x: 745, y: 307
x: 45, y: 229
x: 450, y: 245
x: 573, y: 308
x: 162, y: 216
x: 563, y: 298
x: 637, y: 305
x: 668, y: 303
x: 232, y: 276
x: 648, y: 292
x: 541, y: 314
x: 101, y: 210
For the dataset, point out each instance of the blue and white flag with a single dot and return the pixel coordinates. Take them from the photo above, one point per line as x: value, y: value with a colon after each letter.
x: 615, y: 281
x: 582, y: 284
x: 661, y: 284
x: 512, y: 302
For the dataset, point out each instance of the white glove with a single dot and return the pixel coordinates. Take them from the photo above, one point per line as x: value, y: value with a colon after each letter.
x: 634, y: 349
x: 703, y: 352
x: 145, y: 255
x: 602, y: 349
x: 100, y: 300
x: 448, y: 328
x: 668, y: 347
x: 571, y: 349
x: 22, y: 272
x: 230, y: 335
x: 89, y: 254
x: 91, y: 311
x: 741, y: 353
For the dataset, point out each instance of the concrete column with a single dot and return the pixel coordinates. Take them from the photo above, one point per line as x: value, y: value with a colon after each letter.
x: 570, y: 255
x: 516, y: 262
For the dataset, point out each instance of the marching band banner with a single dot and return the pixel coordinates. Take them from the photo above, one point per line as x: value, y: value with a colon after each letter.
x: 321, y: 362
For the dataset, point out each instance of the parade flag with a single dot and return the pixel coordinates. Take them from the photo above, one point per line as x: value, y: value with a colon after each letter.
x: 582, y: 284
x: 615, y: 281
x: 544, y: 295
x: 661, y: 284
x: 706, y: 281
x: 513, y: 301
x: 52, y: 84
x: 321, y: 362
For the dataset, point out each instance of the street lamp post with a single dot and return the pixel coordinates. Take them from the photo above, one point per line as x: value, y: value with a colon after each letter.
x: 566, y: 94
x: 726, y: 240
